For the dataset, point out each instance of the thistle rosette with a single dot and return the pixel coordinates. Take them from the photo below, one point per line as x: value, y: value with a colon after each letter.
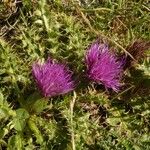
x: 103, y: 66
x: 52, y: 78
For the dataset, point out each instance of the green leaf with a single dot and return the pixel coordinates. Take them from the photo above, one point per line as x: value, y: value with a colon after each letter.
x: 145, y: 138
x: 40, y: 105
x: 15, y: 142
x: 35, y: 130
x: 20, y: 120
x: 1, y: 98
x: 2, y: 142
x: 136, y: 147
x: 3, y: 132
x: 35, y: 103
x: 32, y: 99
x: 11, y: 143
x: 27, y: 4
x: 3, y: 113
x: 113, y: 121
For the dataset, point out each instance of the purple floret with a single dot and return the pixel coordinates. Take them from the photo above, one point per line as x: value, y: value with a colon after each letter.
x: 52, y: 78
x: 103, y: 67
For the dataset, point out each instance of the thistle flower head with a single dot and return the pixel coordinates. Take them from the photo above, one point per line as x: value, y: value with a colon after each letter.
x: 103, y: 67
x: 52, y: 78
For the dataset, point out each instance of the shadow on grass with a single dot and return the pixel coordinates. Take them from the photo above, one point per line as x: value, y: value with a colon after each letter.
x: 62, y: 138
x: 134, y: 104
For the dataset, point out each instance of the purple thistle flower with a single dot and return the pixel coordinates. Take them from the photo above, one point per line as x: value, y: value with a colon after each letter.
x: 103, y: 66
x: 52, y: 78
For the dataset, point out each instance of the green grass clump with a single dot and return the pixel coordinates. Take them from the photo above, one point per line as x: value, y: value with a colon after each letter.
x: 89, y: 118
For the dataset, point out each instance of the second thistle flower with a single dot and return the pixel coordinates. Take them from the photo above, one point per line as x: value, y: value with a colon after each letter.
x: 52, y: 78
x: 103, y: 66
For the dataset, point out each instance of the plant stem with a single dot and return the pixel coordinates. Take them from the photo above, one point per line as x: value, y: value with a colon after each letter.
x: 71, y: 120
